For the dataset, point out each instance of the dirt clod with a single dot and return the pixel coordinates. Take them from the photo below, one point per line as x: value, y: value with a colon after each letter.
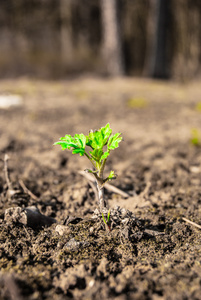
x: 29, y: 216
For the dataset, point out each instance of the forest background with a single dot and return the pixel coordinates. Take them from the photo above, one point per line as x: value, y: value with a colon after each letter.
x: 62, y: 38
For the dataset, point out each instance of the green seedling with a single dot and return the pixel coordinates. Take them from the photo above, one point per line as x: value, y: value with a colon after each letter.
x: 198, y: 106
x: 107, y: 223
x: 195, y: 137
x: 137, y: 103
x: 100, y: 143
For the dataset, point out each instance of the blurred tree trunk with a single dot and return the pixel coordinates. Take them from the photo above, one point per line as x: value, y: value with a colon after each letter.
x: 112, y: 42
x: 156, y: 54
x: 66, y: 31
x: 187, y: 39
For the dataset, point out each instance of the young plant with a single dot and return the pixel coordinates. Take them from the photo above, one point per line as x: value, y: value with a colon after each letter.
x: 107, y: 223
x: 100, y: 143
x: 195, y: 137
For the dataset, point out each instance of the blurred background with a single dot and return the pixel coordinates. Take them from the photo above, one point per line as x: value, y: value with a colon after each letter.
x: 63, y: 38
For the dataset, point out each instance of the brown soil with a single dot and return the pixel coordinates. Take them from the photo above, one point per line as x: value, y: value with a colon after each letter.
x: 151, y: 251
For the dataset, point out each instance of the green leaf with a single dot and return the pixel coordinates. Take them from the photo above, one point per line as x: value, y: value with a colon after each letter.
x: 105, y: 132
x: 81, y: 152
x: 108, y: 216
x: 98, y: 139
x: 64, y: 145
x: 96, y: 154
x: 76, y: 144
x: 90, y: 171
x: 105, y: 155
x: 65, y: 142
x: 104, y: 219
x: 80, y: 140
x: 112, y: 175
x: 114, y: 141
x: 67, y: 138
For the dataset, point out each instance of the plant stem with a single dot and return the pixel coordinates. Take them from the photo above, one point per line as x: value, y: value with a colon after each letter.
x: 103, y: 164
x: 102, y: 201
x: 91, y: 160
x: 100, y: 182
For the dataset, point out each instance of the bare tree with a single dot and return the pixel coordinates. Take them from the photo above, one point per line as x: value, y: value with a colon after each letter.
x: 112, y: 43
x: 187, y: 41
x: 66, y: 31
x: 156, y: 56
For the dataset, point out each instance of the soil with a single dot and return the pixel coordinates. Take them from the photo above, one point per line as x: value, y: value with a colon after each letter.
x: 151, y: 252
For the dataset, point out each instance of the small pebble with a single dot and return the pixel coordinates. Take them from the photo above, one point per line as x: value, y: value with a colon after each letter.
x: 73, y: 245
x: 62, y: 229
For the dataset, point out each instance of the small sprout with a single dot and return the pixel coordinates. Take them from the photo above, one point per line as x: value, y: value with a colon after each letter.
x: 195, y: 137
x: 137, y: 103
x: 198, y: 106
x: 108, y: 216
x: 100, y: 143
x: 107, y: 223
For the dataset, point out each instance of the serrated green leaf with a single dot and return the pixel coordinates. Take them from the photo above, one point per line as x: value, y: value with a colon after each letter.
x: 114, y: 141
x: 76, y: 143
x: 64, y: 145
x: 68, y: 138
x: 94, y: 140
x: 105, y: 132
x: 98, y: 139
x: 81, y: 152
x: 80, y: 140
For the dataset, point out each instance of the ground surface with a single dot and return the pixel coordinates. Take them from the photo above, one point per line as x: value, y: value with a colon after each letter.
x: 156, y: 253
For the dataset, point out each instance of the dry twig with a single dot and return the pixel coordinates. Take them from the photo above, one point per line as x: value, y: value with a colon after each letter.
x: 108, y: 186
x: 10, y: 191
x: 26, y: 190
x: 191, y: 222
x: 146, y: 190
x: 93, y: 186
x: 9, y: 184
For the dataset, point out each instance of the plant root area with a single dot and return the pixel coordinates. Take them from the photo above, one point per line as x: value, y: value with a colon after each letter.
x: 53, y: 241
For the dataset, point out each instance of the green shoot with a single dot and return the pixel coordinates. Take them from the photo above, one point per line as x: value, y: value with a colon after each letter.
x: 195, y: 137
x: 198, y: 106
x: 137, y: 103
x: 107, y: 226
x: 108, y: 216
x: 100, y: 143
